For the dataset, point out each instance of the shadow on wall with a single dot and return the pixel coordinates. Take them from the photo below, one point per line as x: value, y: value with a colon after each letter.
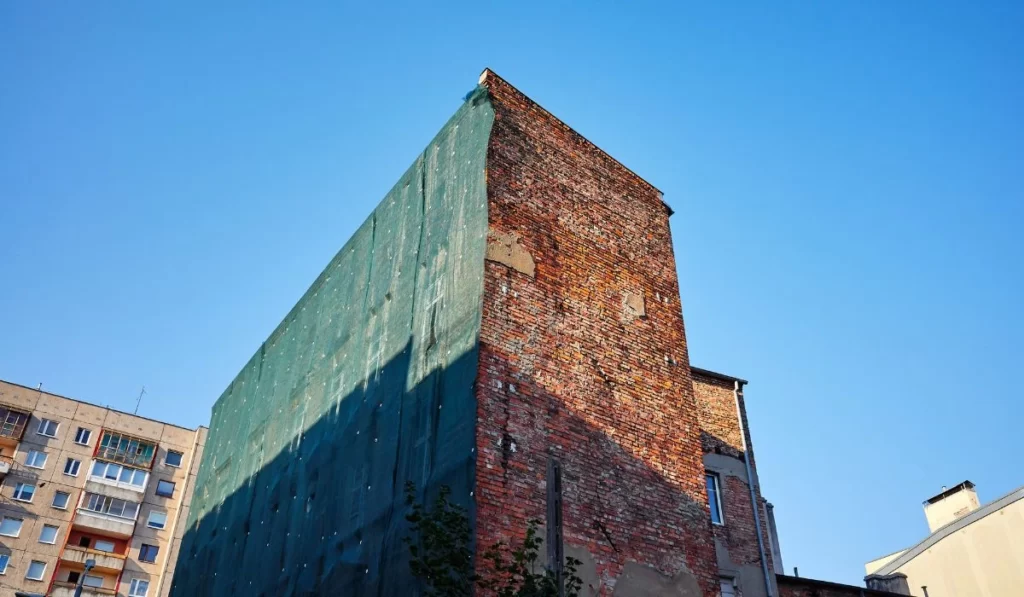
x: 326, y: 515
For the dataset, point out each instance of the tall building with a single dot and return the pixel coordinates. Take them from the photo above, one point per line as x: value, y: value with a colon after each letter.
x: 82, y: 482
x: 972, y: 549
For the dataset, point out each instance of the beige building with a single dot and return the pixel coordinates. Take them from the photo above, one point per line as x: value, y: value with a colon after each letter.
x: 82, y: 482
x: 972, y: 551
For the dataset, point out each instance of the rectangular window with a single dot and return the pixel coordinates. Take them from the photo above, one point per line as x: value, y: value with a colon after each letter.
x: 103, y: 504
x: 71, y: 467
x: 84, y: 542
x: 164, y: 488
x: 4, y: 560
x: 48, y: 534
x: 35, y: 459
x: 138, y: 588
x: 82, y: 436
x: 47, y: 427
x: 92, y: 581
x: 36, y: 570
x: 121, y: 475
x: 60, y: 500
x: 73, y: 577
x: 157, y: 519
x: 147, y: 553
x: 23, y: 492
x: 11, y: 527
x: 103, y: 545
x: 728, y: 589
x: 714, y: 498
x: 126, y: 449
x: 12, y: 423
x: 173, y: 458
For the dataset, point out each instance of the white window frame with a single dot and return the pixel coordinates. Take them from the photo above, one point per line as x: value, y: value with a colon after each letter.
x: 133, y: 588
x: 83, y: 431
x: 97, y: 542
x: 20, y: 526
x: 116, y: 481
x: 717, y: 503
x: 85, y: 581
x: 181, y: 458
x: 66, y: 502
x: 17, y: 492
x: 56, y: 533
x: 149, y: 519
x: 42, y: 574
x: 5, y: 560
x: 43, y: 424
x: 29, y: 460
x: 76, y: 467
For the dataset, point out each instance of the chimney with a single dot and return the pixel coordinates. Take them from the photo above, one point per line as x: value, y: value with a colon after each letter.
x: 950, y: 505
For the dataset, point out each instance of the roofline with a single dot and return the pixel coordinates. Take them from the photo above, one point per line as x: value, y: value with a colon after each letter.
x: 945, y: 531
x: 948, y: 492
x: 782, y: 578
x: 488, y: 72
x: 99, y: 406
x: 718, y: 376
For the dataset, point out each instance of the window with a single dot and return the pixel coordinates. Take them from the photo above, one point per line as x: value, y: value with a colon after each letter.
x: 126, y: 449
x: 92, y: 581
x: 728, y: 589
x: 82, y: 436
x: 35, y: 459
x: 157, y: 519
x: 10, y: 527
x: 12, y: 423
x: 71, y: 467
x: 47, y: 427
x: 48, y: 534
x: 73, y: 577
x: 23, y: 492
x: 4, y: 560
x: 36, y: 570
x: 120, y: 475
x: 103, y: 504
x: 84, y: 542
x: 147, y: 553
x: 104, y: 545
x: 714, y: 498
x: 164, y: 488
x: 173, y: 458
x: 60, y: 500
x: 138, y: 588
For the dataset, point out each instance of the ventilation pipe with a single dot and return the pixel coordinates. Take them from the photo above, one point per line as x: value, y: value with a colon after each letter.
x: 736, y: 392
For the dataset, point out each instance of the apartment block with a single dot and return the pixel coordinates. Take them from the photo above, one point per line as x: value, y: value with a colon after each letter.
x: 82, y: 482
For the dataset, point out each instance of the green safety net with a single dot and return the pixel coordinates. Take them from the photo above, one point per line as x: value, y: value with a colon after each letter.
x: 366, y: 384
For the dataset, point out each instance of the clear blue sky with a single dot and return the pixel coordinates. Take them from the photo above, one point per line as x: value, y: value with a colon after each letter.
x: 847, y: 179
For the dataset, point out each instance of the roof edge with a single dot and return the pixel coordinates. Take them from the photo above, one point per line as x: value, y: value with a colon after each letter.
x: 718, y: 376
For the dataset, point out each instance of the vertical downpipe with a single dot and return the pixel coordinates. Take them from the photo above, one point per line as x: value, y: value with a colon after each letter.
x: 736, y: 391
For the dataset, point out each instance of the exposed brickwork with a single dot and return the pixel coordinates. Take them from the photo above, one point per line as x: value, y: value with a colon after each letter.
x: 570, y: 367
x: 790, y: 586
x: 721, y: 433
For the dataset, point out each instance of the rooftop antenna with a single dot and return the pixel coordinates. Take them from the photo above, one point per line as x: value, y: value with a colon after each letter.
x: 139, y: 401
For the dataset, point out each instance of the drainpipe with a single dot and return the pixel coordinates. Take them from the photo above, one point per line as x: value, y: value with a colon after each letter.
x: 736, y: 391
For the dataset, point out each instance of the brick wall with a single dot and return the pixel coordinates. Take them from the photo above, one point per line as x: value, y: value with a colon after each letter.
x: 792, y: 586
x: 583, y: 357
x: 722, y: 434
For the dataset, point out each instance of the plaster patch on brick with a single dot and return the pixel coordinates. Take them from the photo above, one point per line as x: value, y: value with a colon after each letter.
x: 634, y: 306
x: 505, y: 248
x: 638, y: 580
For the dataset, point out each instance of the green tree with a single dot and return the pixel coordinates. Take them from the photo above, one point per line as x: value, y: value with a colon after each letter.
x: 440, y: 556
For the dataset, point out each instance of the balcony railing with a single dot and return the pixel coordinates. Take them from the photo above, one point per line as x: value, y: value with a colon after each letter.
x: 67, y: 589
x: 104, y: 523
x: 104, y: 560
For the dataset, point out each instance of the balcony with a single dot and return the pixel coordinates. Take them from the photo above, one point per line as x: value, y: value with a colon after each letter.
x: 5, y: 465
x: 66, y: 589
x: 105, y: 524
x: 12, y: 425
x: 105, y: 561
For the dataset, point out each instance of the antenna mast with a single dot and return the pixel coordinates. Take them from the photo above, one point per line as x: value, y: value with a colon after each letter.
x: 139, y: 401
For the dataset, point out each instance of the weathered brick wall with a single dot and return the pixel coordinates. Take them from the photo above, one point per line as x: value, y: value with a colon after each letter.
x: 583, y: 357
x: 721, y: 433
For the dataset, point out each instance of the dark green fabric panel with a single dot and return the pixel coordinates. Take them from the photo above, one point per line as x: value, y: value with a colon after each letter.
x: 367, y: 383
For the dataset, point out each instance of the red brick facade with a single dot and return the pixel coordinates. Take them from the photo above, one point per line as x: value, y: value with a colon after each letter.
x: 721, y: 433
x: 584, y: 359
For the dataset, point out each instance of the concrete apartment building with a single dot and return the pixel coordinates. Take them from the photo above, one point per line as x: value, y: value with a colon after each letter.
x: 510, y: 306
x: 83, y: 482
x: 973, y: 550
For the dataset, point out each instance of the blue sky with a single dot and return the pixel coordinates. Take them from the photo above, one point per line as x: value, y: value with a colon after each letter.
x: 847, y: 179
